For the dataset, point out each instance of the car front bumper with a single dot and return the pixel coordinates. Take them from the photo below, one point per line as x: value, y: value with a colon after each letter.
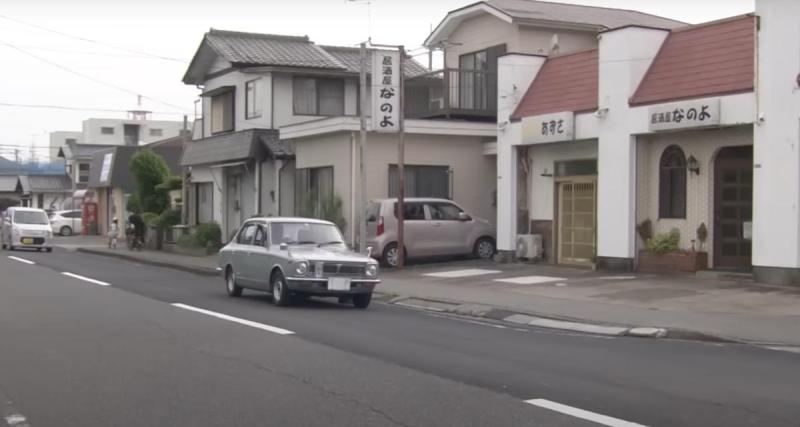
x: 319, y: 286
x: 34, y: 242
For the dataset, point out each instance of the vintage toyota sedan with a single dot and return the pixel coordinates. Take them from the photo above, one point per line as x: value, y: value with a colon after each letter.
x: 290, y: 257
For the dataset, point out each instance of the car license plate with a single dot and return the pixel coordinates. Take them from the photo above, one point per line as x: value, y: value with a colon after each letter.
x: 27, y: 241
x: 338, y: 284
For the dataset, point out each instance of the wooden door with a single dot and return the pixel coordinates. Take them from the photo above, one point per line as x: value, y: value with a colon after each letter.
x: 733, y: 207
x: 577, y: 221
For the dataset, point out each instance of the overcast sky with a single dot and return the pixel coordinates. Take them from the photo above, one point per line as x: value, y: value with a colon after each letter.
x: 174, y: 28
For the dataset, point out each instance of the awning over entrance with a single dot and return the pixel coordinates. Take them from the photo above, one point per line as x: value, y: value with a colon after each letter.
x: 236, y: 147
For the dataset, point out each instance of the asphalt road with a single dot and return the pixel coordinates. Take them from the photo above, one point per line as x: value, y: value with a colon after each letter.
x: 76, y: 352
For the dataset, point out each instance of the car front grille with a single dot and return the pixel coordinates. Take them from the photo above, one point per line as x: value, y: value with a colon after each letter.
x: 36, y: 240
x: 341, y: 269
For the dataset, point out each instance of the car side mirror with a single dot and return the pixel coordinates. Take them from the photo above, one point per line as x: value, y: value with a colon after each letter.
x: 463, y: 216
x: 283, y: 246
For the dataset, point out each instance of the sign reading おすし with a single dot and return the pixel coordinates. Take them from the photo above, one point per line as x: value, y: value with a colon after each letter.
x: 548, y: 128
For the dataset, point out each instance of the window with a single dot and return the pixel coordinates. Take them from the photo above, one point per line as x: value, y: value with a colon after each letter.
x: 107, y: 130
x: 412, y: 211
x: 156, y: 132
x: 204, y: 202
x: 72, y: 214
x: 69, y: 141
x: 245, y: 236
x: 444, y: 211
x: 222, y: 112
x: 83, y: 173
x: 477, y: 78
x: 672, y: 184
x: 304, y: 233
x: 252, y: 106
x: 318, y: 97
x: 313, y: 191
x: 261, y: 237
x: 421, y: 181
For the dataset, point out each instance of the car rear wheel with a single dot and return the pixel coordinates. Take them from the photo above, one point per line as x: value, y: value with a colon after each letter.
x: 391, y: 256
x: 362, y: 300
x: 484, y: 248
x: 280, y: 293
x: 49, y: 249
x: 231, y: 287
x: 66, y: 231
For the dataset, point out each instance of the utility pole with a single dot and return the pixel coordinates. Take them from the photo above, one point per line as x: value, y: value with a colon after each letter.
x: 401, y: 155
x: 362, y: 200
x: 185, y: 187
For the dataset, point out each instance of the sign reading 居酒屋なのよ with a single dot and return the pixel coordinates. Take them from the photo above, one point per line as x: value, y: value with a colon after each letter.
x: 385, y: 91
x: 548, y: 128
x: 682, y: 115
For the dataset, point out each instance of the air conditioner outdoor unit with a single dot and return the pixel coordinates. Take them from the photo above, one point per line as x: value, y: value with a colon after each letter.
x: 529, y: 246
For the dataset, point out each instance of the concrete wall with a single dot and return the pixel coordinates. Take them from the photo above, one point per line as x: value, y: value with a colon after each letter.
x: 58, y: 140
x: 92, y: 133
x: 704, y: 146
x: 776, y: 177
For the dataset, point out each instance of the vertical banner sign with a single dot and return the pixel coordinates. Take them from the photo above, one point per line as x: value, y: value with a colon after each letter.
x: 386, y: 91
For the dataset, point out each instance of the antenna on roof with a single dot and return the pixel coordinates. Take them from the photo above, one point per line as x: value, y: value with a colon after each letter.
x: 369, y: 14
x: 554, y: 47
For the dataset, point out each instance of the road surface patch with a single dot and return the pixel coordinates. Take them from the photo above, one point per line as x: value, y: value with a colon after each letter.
x: 530, y: 280
x: 252, y: 324
x: 86, y: 279
x: 23, y: 260
x: 582, y: 414
x: 468, y: 272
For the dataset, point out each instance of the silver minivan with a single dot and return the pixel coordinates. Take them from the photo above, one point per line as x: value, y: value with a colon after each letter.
x: 26, y: 228
x: 433, y: 227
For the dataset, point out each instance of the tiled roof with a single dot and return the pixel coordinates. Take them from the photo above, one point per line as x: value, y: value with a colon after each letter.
x: 704, y: 60
x: 45, y: 183
x: 270, y: 49
x: 236, y: 146
x: 565, y: 83
x: 8, y: 183
x: 579, y: 14
x: 351, y: 58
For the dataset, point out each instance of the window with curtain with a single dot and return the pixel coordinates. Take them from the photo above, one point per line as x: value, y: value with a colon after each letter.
x: 222, y: 112
x: 421, y: 181
x: 672, y: 184
x: 313, y: 191
x: 318, y: 97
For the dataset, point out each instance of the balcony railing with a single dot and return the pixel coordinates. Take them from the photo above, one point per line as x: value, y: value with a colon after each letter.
x: 452, y: 93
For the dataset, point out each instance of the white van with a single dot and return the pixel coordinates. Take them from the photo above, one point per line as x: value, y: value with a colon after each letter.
x: 26, y: 228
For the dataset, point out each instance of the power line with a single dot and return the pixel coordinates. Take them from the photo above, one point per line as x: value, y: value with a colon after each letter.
x: 84, y: 52
x: 84, y: 39
x: 73, y: 108
x: 88, y: 77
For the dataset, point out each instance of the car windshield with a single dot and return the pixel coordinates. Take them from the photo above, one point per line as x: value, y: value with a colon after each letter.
x: 304, y: 233
x: 30, y: 217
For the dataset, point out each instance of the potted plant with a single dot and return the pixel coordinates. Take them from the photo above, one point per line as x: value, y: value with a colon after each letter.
x: 664, y: 255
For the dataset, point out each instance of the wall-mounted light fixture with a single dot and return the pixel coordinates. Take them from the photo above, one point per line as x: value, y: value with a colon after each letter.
x: 693, y: 165
x: 601, y: 112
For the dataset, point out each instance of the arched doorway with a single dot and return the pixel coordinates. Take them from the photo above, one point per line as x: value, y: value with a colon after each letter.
x: 733, y: 208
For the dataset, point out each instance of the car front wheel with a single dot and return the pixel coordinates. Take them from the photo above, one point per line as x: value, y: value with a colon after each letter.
x: 280, y: 293
x: 231, y: 287
x: 484, y: 248
x: 362, y: 300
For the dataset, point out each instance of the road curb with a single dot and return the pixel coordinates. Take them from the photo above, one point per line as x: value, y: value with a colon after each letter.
x: 203, y: 271
x: 518, y: 318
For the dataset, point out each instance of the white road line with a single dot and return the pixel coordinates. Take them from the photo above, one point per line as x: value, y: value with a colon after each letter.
x: 580, y: 413
x: 530, y: 280
x: 454, y: 274
x: 262, y: 326
x: 21, y: 260
x: 16, y: 420
x: 86, y: 279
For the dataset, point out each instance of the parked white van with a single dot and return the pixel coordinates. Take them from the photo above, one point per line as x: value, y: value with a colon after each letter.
x: 26, y: 228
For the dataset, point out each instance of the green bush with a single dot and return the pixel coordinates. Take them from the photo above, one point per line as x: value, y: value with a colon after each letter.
x: 169, y: 218
x: 665, y: 242
x: 134, y: 205
x: 190, y: 241
x: 209, y: 233
x: 149, y: 170
x: 150, y: 219
x: 171, y: 183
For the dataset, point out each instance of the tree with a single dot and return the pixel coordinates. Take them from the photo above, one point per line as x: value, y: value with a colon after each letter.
x: 149, y: 170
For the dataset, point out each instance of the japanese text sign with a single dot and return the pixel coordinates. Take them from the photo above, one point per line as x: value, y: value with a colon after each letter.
x: 548, y: 128
x: 682, y: 115
x: 385, y: 91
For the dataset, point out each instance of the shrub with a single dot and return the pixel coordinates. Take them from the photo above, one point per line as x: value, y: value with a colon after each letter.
x: 645, y: 230
x: 665, y: 242
x: 150, y: 219
x: 189, y: 241
x: 170, y: 183
x: 169, y: 218
x: 149, y: 170
x: 209, y: 233
x: 134, y: 205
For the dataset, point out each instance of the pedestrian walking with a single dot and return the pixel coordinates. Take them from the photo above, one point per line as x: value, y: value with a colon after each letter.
x: 113, y: 234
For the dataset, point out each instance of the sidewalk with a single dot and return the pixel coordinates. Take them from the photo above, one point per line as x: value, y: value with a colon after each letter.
x: 735, y: 309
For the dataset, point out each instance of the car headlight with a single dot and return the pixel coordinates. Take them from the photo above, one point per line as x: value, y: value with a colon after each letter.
x: 372, y: 270
x: 302, y: 268
x: 48, y: 233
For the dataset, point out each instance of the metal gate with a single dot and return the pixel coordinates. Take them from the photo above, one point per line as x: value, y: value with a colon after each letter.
x: 577, y: 221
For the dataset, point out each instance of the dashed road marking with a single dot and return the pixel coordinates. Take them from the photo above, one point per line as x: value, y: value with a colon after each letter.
x: 790, y: 349
x: 23, y: 260
x: 530, y: 280
x: 582, y: 414
x: 262, y: 326
x: 86, y: 279
x: 469, y: 272
x: 16, y: 420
